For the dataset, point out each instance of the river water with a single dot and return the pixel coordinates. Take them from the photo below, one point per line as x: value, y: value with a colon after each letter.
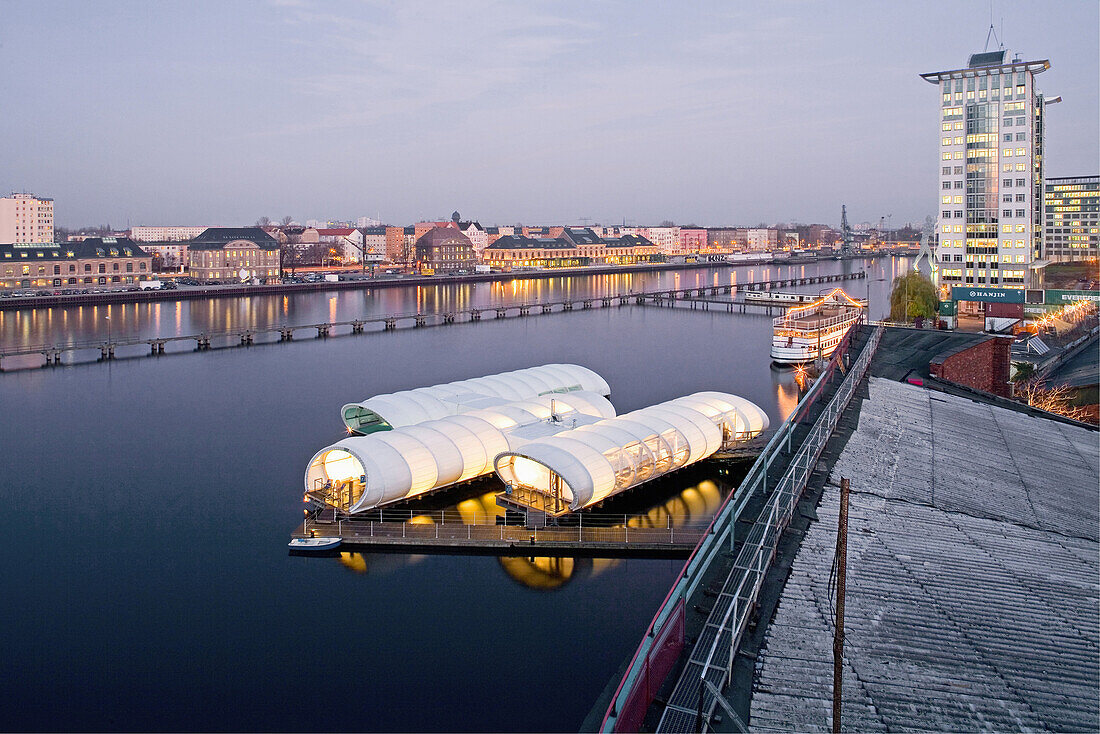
x: 145, y: 573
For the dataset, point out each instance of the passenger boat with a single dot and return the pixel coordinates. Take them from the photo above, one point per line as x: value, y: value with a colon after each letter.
x: 775, y: 297
x: 812, y: 331
x: 314, y: 544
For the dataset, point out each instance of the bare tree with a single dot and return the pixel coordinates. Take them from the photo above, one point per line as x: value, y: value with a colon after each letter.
x: 1057, y: 399
x: 667, y: 223
x: 263, y: 222
x: 286, y: 221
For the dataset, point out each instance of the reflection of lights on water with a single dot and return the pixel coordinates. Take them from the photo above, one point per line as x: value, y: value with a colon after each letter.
x: 354, y: 562
x: 540, y: 572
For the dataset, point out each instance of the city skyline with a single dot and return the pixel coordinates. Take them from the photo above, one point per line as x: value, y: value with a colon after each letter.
x: 533, y: 113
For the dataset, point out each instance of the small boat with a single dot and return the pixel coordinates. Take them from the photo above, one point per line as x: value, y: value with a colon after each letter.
x: 314, y: 544
x: 812, y: 331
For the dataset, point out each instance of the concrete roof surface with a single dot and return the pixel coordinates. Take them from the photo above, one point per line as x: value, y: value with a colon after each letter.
x: 973, y: 569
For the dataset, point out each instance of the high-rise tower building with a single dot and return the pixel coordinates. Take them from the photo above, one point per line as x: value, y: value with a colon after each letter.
x: 990, y: 223
x: 1073, y: 219
x: 26, y: 218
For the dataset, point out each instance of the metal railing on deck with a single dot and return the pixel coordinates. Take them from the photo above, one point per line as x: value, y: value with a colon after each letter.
x: 742, y: 586
x: 674, y: 530
x: 719, y: 537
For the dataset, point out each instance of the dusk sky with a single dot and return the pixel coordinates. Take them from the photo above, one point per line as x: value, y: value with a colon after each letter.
x: 218, y: 112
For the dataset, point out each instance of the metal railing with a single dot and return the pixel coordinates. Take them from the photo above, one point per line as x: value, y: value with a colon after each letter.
x: 742, y: 586
x: 628, y: 530
x: 720, y: 536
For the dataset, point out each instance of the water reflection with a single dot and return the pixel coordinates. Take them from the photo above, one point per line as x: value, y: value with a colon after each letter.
x: 146, y: 320
x: 694, y: 505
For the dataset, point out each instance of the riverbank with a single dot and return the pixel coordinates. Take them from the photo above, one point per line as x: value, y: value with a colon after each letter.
x: 214, y: 292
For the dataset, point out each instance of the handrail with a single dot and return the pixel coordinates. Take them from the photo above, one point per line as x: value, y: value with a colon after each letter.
x: 780, y: 510
x: 720, y: 529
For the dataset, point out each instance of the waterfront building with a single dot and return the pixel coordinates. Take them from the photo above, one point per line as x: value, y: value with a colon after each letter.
x: 629, y: 249
x: 422, y: 228
x: 94, y: 261
x: 990, y: 186
x: 395, y: 244
x: 692, y: 239
x: 233, y: 253
x: 26, y: 218
x: 516, y: 250
x: 724, y: 240
x: 574, y: 247
x: 666, y: 239
x: 762, y: 239
x: 172, y: 254
x: 164, y: 234
x: 477, y: 235
x: 445, y: 249
x: 1072, y: 226
x: 344, y: 243
x: 372, y: 241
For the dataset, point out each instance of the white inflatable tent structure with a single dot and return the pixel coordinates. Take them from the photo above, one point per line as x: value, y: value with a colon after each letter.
x: 363, y: 472
x: 575, y: 469
x: 410, y: 407
x: 549, y: 432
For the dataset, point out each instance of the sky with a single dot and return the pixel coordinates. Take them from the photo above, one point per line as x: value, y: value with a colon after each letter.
x: 716, y: 113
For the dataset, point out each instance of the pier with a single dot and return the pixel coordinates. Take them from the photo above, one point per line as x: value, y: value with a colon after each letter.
x: 245, y: 337
x: 604, y: 536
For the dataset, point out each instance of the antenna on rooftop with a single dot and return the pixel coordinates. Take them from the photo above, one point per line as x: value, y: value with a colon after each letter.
x: 993, y: 31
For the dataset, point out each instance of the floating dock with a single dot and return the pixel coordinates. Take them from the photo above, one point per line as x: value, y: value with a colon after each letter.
x: 487, y: 539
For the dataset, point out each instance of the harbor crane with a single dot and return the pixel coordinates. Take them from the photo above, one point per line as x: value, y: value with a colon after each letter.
x: 848, y: 239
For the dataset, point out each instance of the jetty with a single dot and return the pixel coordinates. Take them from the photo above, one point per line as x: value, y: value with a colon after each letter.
x: 53, y: 353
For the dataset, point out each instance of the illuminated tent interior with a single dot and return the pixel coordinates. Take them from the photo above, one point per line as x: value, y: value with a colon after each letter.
x: 578, y: 468
x: 362, y: 472
x: 409, y: 407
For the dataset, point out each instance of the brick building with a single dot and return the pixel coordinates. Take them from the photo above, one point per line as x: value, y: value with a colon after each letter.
x: 445, y: 249
x: 102, y: 261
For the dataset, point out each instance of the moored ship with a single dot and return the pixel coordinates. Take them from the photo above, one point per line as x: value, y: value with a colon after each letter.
x: 812, y: 331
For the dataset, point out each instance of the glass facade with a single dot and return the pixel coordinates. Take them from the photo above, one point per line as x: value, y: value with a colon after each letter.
x: 1072, y: 219
x: 991, y: 156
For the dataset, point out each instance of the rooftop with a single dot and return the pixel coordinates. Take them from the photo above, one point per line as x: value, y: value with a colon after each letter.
x: 214, y: 238
x: 90, y: 247
x: 972, y: 576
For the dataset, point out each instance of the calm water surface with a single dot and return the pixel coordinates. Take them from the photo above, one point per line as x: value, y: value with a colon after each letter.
x: 145, y: 573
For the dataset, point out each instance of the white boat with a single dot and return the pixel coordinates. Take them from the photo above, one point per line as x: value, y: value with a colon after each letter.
x: 314, y: 544
x: 742, y: 258
x: 812, y: 331
x: 775, y: 297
